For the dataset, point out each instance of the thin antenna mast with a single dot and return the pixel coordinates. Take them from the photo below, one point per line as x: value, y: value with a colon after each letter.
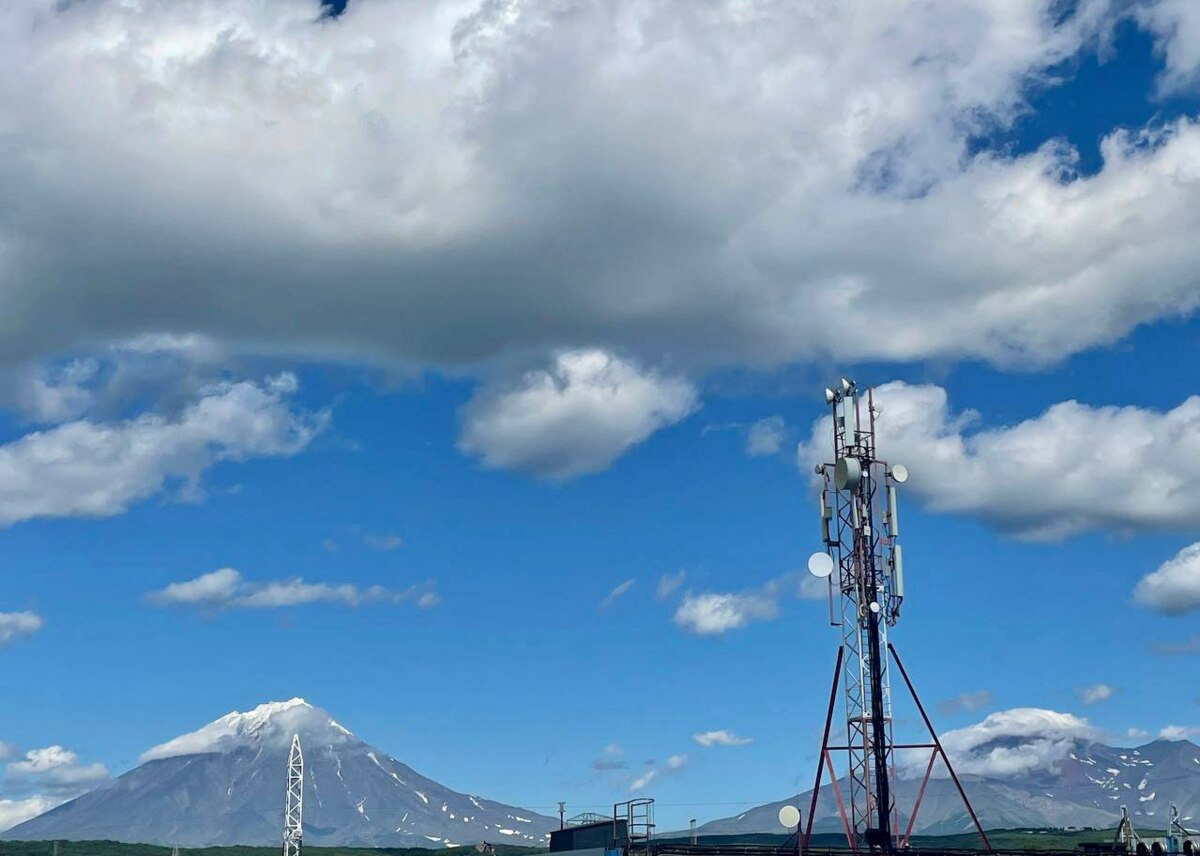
x: 293, y: 819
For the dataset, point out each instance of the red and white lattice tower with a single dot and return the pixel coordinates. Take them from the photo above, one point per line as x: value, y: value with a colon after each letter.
x: 863, y: 562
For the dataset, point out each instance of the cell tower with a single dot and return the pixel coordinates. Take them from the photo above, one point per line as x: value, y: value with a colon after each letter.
x: 293, y: 816
x: 864, y: 564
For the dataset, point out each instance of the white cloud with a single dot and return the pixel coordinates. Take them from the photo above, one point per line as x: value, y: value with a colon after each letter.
x: 215, y: 588
x: 611, y: 598
x: 44, y: 760
x: 1178, y: 732
x: 711, y: 613
x: 54, y: 771
x: 1140, y: 468
x: 1008, y: 743
x: 1176, y: 25
x: 765, y: 437
x: 668, y: 584
x: 14, y: 625
x: 1137, y: 733
x: 967, y: 702
x: 40, y: 779
x: 1173, y: 589
x: 92, y: 469
x: 714, y: 613
x: 644, y: 779
x: 674, y: 765
x: 1095, y: 693
x: 721, y: 737
x: 383, y: 542
x: 226, y: 589
x: 285, y: 593
x: 447, y: 182
x: 577, y: 417
x: 13, y: 812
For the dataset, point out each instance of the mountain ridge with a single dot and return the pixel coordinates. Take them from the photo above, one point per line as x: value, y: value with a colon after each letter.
x: 1085, y: 787
x: 224, y: 783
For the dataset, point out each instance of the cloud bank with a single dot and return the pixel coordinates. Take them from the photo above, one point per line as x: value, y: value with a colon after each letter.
x: 447, y: 182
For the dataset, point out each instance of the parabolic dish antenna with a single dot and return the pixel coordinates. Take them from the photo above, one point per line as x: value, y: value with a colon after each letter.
x: 789, y: 816
x: 899, y: 473
x: 847, y: 473
x: 820, y: 565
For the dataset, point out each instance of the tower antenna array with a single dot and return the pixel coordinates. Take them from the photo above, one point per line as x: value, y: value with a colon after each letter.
x: 293, y: 817
x: 864, y: 565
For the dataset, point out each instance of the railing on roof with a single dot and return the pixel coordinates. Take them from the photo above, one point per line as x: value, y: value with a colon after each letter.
x: 586, y: 818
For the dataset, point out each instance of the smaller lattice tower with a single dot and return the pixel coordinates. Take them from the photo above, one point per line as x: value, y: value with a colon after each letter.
x: 293, y: 816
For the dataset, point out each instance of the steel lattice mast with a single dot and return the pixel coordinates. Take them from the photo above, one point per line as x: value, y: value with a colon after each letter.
x: 864, y: 564
x: 869, y: 577
x: 293, y: 818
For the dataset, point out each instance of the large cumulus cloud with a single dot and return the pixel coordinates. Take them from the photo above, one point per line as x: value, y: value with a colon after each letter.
x: 446, y: 182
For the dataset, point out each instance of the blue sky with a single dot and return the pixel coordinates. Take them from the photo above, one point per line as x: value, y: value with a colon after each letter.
x: 519, y: 424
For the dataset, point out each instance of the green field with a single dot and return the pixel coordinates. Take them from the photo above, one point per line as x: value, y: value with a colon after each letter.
x: 116, y: 848
x: 1001, y: 839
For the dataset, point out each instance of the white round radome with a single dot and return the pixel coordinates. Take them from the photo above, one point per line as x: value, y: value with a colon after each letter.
x: 820, y: 565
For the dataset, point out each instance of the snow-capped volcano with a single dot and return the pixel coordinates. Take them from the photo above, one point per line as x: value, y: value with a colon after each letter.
x: 270, y: 724
x: 224, y: 784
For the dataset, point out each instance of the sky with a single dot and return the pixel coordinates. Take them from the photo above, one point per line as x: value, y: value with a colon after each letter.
x: 458, y: 367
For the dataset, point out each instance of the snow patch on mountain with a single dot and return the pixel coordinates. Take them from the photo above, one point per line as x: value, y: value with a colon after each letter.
x: 272, y: 724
